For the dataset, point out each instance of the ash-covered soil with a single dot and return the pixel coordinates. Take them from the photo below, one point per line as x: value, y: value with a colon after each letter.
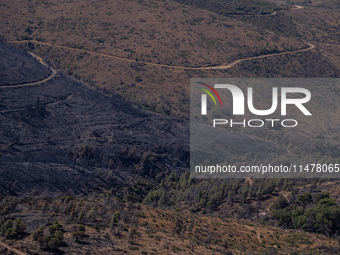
x: 19, y: 178
x: 64, y: 122
x: 63, y: 114
x: 62, y: 137
x: 19, y: 67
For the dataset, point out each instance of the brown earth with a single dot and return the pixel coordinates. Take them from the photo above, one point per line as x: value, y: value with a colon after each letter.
x: 156, y: 233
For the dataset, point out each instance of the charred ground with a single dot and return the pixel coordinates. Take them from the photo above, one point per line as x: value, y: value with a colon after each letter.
x: 65, y: 123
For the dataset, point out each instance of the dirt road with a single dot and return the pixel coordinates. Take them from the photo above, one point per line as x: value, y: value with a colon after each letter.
x: 52, y: 75
x: 227, y: 66
x: 12, y: 249
x: 219, y: 67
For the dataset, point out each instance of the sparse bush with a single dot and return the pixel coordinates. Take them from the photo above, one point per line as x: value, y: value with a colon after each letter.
x: 280, y: 203
x: 59, y: 235
x: 53, y: 243
x: 81, y: 215
x: 284, y: 217
x: 114, y: 220
x: 11, y: 231
x: 39, y: 232
x: 305, y: 198
x: 43, y: 241
x: 58, y: 225
x: 52, y: 229
x: 134, y: 248
x: 81, y: 228
x: 137, y: 77
x: 6, y: 224
x: 130, y: 198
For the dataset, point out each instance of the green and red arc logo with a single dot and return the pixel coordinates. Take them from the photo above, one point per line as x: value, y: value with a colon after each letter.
x: 209, y: 93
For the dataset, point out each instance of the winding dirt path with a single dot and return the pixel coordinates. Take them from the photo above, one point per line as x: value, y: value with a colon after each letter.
x: 219, y: 67
x: 12, y: 249
x: 310, y: 47
x: 227, y: 66
x: 52, y: 75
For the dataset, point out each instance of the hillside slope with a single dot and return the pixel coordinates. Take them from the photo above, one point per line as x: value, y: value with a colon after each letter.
x: 16, y: 66
x: 62, y: 137
x: 114, y: 227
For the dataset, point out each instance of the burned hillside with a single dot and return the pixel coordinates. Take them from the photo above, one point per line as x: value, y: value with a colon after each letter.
x: 16, y: 66
x: 65, y: 125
